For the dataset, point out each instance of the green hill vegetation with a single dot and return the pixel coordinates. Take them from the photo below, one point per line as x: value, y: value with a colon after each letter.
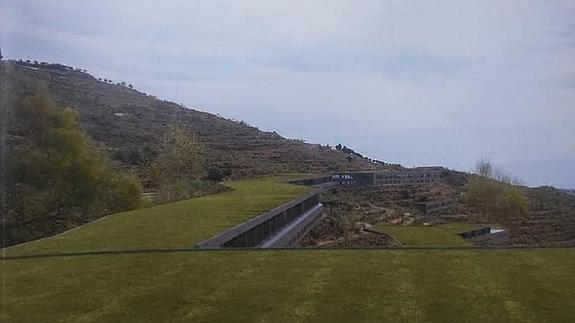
x: 60, y: 162
x: 176, y: 225
x: 62, y: 127
x: 54, y: 176
x: 280, y: 286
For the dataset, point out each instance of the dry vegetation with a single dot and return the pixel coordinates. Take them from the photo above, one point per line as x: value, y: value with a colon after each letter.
x: 128, y: 123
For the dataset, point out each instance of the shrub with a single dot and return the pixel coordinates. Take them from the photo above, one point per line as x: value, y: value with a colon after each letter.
x: 179, y: 156
x: 56, y: 176
x: 498, y: 199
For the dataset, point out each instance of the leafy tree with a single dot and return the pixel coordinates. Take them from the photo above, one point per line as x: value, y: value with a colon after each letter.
x: 178, y: 169
x: 56, y: 176
x: 180, y: 156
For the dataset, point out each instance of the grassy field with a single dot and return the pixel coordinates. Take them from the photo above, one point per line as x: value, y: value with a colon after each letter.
x: 176, y: 225
x: 430, y: 236
x: 295, y: 286
x: 272, y: 286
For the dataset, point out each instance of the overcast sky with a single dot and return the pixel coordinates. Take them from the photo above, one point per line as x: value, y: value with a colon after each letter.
x: 412, y: 82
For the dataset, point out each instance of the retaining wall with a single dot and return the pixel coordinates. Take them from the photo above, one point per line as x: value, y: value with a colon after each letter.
x: 492, y: 239
x: 283, y: 226
x: 484, y: 237
x: 437, y: 205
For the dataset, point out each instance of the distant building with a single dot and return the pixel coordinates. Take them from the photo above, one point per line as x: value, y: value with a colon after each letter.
x: 407, y: 176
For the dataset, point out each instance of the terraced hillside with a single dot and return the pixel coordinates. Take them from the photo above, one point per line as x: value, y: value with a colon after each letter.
x: 550, y: 220
x: 128, y: 122
x: 528, y: 285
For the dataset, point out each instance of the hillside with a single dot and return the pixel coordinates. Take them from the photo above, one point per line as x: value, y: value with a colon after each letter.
x: 128, y: 123
x: 550, y: 218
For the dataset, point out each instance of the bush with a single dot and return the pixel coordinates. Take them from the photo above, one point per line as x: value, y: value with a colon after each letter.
x: 56, y: 177
x: 498, y: 199
x: 179, y: 156
x: 216, y: 174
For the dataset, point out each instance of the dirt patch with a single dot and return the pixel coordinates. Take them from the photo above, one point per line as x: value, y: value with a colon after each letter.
x: 328, y: 234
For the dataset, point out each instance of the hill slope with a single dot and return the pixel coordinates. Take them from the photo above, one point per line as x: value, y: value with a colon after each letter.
x: 129, y: 123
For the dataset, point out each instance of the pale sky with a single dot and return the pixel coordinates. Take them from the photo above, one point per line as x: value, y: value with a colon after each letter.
x: 410, y: 82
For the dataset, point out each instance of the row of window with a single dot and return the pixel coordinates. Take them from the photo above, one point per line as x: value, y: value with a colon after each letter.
x: 403, y: 181
x: 406, y: 175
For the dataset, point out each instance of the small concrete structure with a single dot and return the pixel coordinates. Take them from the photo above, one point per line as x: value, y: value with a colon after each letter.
x: 434, y: 206
x: 487, y: 236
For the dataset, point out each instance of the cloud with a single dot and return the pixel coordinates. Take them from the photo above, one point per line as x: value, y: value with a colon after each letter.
x: 414, y: 82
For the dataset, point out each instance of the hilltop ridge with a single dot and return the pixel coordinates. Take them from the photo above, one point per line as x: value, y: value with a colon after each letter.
x: 128, y: 123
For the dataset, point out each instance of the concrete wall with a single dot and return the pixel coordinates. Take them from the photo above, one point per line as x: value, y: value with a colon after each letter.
x: 486, y: 237
x: 302, y: 211
x: 406, y: 176
x: 475, y: 233
x: 291, y: 234
x: 313, y: 181
x: 492, y: 239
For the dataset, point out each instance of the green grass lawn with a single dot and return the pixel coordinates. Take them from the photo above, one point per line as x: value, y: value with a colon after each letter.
x: 295, y: 286
x: 434, y: 235
x: 175, y: 225
x: 272, y: 286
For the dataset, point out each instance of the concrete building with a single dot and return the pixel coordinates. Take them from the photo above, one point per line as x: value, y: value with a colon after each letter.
x: 406, y: 176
